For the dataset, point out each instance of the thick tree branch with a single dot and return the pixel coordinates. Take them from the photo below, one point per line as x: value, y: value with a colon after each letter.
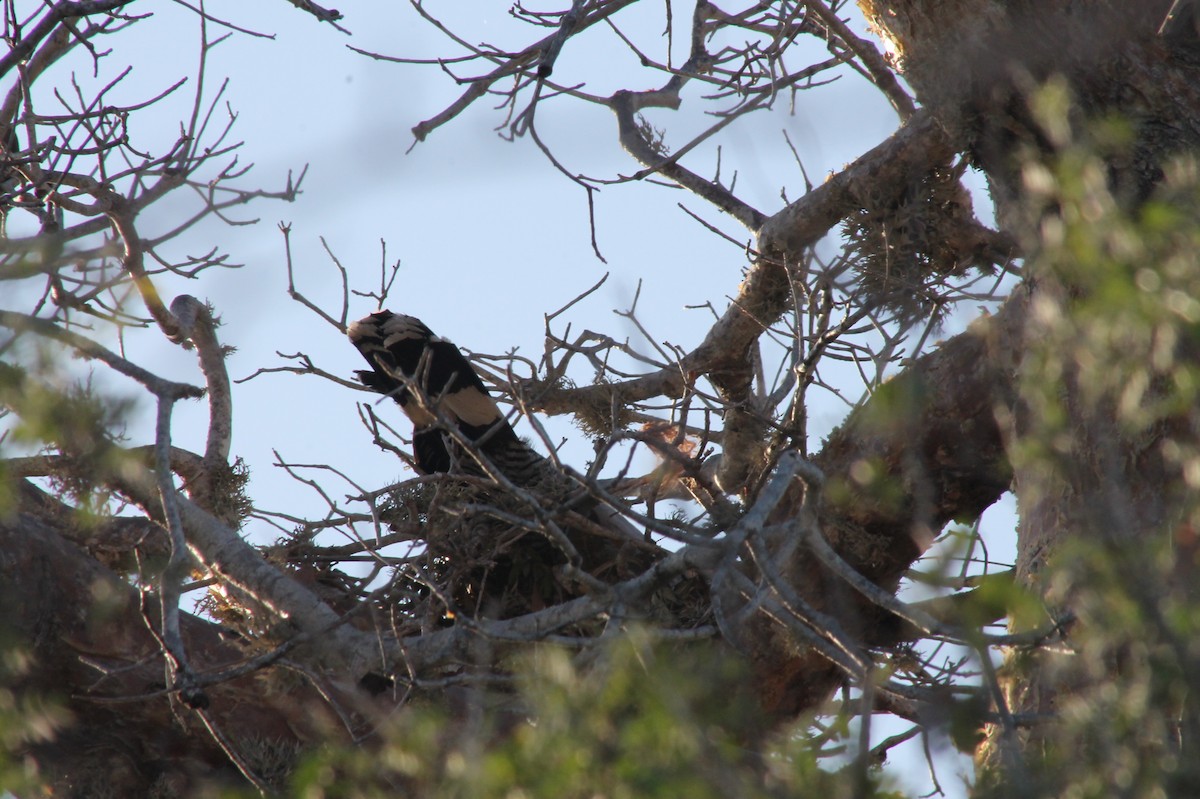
x: 783, y: 239
x: 59, y: 12
x: 241, y: 566
x: 928, y: 448
x: 197, y: 324
x: 99, y: 662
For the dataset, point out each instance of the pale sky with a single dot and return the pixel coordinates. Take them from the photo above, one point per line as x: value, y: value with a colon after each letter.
x: 489, y: 234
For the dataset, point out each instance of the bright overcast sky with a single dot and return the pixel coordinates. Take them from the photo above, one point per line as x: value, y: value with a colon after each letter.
x: 489, y: 234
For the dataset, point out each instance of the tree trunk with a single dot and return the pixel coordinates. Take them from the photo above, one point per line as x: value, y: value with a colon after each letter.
x: 977, y: 65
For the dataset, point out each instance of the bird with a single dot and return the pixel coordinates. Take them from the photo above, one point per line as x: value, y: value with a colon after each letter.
x: 437, y: 387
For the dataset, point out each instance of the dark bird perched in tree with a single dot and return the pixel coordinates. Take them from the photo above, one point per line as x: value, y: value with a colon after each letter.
x: 439, y: 390
x: 405, y: 354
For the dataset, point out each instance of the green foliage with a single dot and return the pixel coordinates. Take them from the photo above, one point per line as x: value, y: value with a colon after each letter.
x: 72, y: 418
x: 638, y: 722
x: 1125, y: 717
x: 1108, y: 454
x: 25, y: 719
x: 1121, y: 317
x: 1130, y: 714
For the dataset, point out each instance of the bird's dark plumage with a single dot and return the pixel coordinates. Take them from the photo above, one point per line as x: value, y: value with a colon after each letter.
x: 441, y: 393
x: 403, y: 352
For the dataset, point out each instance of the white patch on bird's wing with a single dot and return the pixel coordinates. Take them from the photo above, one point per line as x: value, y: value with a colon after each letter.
x: 420, y: 417
x: 472, y: 406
